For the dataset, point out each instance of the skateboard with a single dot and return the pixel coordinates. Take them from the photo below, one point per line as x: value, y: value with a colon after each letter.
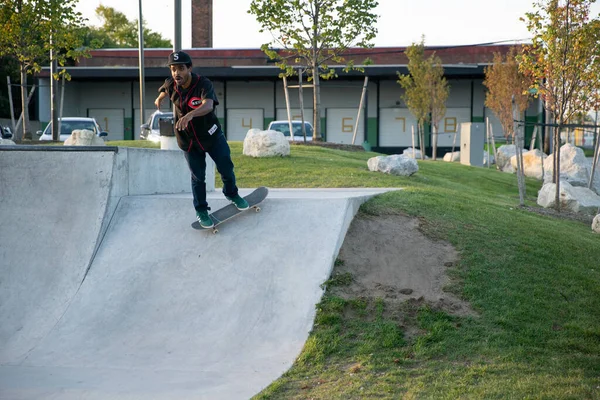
x: 230, y: 211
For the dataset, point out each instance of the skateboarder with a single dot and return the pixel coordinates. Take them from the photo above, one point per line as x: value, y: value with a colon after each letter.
x: 198, y: 132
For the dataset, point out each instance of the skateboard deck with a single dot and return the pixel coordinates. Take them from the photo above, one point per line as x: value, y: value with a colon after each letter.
x: 230, y: 211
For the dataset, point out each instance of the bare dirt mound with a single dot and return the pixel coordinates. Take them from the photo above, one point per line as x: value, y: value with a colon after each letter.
x: 388, y: 257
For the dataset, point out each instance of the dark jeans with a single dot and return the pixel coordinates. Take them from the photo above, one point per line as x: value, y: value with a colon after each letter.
x: 221, y: 155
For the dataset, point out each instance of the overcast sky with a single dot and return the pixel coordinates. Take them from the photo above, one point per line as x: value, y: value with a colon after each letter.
x: 400, y: 23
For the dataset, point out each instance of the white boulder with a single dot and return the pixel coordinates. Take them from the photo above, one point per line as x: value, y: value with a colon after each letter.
x: 574, y: 167
x: 416, y: 155
x: 396, y: 164
x: 84, y: 137
x: 503, y: 156
x: 596, y: 224
x: 259, y: 143
x: 452, y: 157
x: 576, y: 199
x: 532, y: 163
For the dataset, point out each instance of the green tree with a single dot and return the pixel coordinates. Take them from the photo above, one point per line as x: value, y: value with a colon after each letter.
x: 425, y: 91
x: 416, y: 93
x: 31, y: 29
x: 563, y: 62
x: 438, y: 94
x: 313, y: 34
x: 117, y: 31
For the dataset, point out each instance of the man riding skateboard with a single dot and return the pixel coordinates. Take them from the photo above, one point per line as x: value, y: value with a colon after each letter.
x: 198, y: 132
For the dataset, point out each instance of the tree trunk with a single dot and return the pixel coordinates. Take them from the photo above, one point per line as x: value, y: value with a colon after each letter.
x: 519, y: 142
x: 422, y: 139
x: 556, y: 177
x: 434, y: 143
x: 24, y: 106
x: 317, y: 103
x: 548, y: 134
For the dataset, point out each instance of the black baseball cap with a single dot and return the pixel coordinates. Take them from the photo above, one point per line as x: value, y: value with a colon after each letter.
x: 179, y: 57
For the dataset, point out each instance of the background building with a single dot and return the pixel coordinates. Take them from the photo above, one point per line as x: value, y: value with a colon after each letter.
x: 106, y: 86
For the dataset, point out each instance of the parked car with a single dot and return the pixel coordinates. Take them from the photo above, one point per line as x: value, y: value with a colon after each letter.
x: 284, y: 127
x: 69, y: 124
x: 151, y: 129
x: 5, y: 132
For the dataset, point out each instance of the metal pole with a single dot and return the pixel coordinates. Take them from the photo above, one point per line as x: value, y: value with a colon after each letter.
x: 177, y: 45
x: 53, y: 111
x: 177, y: 38
x: 141, y: 50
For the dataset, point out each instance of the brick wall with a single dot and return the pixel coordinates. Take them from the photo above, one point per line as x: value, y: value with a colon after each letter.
x: 202, y: 22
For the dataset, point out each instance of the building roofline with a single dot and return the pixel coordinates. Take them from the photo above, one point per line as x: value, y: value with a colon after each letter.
x: 256, y: 72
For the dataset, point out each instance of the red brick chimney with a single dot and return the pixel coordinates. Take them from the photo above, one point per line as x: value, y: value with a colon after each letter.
x: 202, y: 22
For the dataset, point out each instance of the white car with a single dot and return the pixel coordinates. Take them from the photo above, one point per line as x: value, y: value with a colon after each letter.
x: 70, y: 124
x: 284, y: 127
x: 151, y: 129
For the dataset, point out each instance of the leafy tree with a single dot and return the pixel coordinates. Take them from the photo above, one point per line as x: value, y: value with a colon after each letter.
x: 117, y: 31
x: 438, y: 92
x: 563, y: 62
x: 425, y: 91
x: 508, y: 97
x: 416, y: 95
x: 504, y: 81
x: 31, y: 29
x: 314, y: 33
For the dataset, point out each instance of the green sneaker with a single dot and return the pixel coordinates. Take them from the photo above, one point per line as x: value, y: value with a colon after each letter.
x: 204, y: 220
x: 239, y: 202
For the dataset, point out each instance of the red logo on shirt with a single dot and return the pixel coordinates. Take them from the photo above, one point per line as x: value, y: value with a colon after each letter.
x: 194, y: 102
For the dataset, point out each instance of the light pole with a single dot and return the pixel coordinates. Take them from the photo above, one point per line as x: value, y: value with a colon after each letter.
x: 141, y: 49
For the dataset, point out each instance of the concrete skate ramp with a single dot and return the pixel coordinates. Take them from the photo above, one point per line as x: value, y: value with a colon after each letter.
x: 50, y: 220
x: 166, y: 311
x: 55, y: 203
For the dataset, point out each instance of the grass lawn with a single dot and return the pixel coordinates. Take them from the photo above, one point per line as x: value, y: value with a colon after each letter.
x: 533, y: 280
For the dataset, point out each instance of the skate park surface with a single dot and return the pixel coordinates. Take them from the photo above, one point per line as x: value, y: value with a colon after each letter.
x: 107, y: 292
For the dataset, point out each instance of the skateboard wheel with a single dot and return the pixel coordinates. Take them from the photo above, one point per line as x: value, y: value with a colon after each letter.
x: 257, y: 209
x: 215, y: 231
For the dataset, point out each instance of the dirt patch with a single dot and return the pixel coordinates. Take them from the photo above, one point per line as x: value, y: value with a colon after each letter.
x: 388, y: 257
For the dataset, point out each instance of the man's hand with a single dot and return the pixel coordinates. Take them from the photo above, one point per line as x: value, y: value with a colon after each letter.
x: 183, y: 122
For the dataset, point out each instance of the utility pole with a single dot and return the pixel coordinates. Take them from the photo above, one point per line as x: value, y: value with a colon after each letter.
x: 142, y: 75
x: 177, y: 38
x: 53, y: 114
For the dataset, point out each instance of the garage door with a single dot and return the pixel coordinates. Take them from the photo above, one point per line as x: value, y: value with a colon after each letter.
x: 239, y: 121
x: 396, y: 127
x: 282, y: 114
x: 110, y: 120
x: 450, y: 126
x: 340, y: 125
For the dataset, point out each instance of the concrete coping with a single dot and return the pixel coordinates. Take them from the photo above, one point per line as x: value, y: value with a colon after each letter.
x: 38, y: 147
